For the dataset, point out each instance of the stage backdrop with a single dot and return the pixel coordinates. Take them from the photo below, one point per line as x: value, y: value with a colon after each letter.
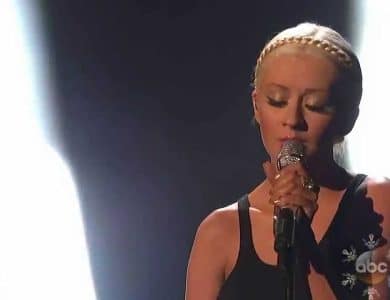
x: 153, y: 105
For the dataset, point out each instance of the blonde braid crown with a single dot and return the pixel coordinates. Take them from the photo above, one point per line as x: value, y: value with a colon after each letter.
x: 314, y: 35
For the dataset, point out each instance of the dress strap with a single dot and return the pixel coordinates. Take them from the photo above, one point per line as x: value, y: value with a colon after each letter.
x: 353, y: 189
x: 245, y: 223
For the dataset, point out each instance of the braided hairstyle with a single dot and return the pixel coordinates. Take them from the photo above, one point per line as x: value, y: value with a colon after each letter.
x: 349, y: 85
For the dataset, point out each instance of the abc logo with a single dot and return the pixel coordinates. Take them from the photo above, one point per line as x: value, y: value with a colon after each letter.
x: 368, y: 271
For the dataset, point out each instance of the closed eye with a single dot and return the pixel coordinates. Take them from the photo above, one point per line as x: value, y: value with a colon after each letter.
x: 276, y: 103
x: 325, y: 109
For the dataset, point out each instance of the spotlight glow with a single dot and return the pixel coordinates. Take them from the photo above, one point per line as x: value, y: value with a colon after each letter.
x: 43, y: 253
x: 369, y: 144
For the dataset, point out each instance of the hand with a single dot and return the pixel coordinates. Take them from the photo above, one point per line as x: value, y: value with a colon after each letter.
x: 289, y: 188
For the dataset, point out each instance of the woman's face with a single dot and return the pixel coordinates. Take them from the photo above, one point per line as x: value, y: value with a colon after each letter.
x: 292, y: 99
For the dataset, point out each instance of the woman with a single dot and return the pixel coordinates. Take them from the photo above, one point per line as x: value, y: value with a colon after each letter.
x: 307, y: 88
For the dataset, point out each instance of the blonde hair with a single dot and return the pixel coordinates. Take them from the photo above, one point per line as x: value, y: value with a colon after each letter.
x: 310, y: 34
x: 336, y: 48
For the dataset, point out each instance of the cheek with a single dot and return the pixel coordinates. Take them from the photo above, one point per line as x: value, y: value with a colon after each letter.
x: 320, y: 127
x: 269, y: 132
x: 321, y: 133
x: 268, y: 116
x: 267, y: 125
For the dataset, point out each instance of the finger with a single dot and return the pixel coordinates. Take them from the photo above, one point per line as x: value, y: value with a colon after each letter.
x: 285, y: 184
x: 289, y: 195
x: 290, y: 201
x: 294, y: 208
x: 284, y: 189
x: 293, y: 202
x: 301, y: 182
x: 296, y: 194
x: 287, y: 178
x: 301, y: 198
x: 297, y: 167
x: 269, y: 171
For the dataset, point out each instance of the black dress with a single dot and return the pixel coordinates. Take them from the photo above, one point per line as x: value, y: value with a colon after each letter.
x: 354, y: 225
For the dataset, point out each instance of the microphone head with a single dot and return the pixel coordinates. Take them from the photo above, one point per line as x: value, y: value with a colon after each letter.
x: 292, y: 151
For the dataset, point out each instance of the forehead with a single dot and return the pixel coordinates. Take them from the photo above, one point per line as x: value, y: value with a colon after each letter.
x: 299, y: 66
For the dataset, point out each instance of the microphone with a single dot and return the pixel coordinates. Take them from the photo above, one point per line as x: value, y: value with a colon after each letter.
x: 284, y: 218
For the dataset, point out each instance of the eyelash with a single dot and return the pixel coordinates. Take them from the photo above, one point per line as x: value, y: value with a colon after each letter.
x: 319, y: 109
x: 282, y: 103
x: 276, y: 103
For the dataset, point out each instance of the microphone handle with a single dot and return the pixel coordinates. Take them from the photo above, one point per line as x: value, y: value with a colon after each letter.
x: 284, y: 229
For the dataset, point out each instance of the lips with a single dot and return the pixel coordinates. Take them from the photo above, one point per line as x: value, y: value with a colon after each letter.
x: 293, y: 138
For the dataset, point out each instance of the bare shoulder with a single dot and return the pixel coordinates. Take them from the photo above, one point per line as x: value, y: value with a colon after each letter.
x: 209, y: 253
x: 378, y: 189
x: 379, y: 183
x: 219, y: 224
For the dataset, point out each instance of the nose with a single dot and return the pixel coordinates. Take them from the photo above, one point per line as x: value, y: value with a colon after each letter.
x: 294, y: 117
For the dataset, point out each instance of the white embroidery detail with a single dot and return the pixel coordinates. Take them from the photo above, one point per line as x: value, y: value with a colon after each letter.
x: 350, y: 280
x: 349, y: 255
x: 371, y: 243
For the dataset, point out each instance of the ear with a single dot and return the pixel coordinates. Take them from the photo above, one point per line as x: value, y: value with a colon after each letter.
x: 256, y: 113
x: 254, y: 97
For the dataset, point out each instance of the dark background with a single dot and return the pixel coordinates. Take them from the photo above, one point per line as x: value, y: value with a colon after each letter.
x: 153, y: 103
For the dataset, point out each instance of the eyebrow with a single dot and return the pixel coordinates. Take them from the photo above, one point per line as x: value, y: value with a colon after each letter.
x: 306, y: 91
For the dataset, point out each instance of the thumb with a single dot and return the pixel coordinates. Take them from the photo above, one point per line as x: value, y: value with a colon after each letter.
x: 269, y: 171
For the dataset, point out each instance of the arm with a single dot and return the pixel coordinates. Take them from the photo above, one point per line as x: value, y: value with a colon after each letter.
x: 380, y: 193
x: 205, y: 272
